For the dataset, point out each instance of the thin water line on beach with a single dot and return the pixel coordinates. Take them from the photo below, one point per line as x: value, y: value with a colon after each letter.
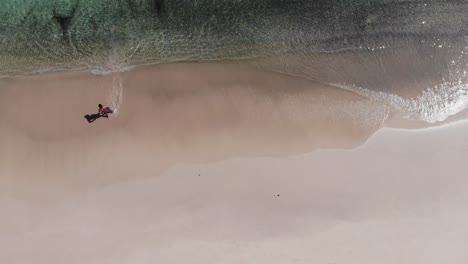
x: 115, y: 94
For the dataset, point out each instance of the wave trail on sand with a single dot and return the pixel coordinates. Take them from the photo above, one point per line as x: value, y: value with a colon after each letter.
x: 115, y: 93
x: 114, y: 64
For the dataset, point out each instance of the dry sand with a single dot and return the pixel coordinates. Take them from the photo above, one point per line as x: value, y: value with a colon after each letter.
x: 210, y: 164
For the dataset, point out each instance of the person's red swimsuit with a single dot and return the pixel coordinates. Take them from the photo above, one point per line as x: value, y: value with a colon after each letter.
x: 105, y: 110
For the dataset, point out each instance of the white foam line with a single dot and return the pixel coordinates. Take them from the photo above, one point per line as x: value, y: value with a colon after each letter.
x: 116, y: 93
x: 434, y: 105
x: 458, y: 123
x: 401, y: 131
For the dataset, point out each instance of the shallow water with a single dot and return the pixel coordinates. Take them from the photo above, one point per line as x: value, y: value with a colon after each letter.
x: 44, y: 35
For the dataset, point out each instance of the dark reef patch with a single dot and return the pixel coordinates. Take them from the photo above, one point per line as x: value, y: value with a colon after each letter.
x: 159, y: 8
x: 65, y: 21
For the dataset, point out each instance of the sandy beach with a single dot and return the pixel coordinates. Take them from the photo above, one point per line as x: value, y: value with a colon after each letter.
x: 207, y: 163
x: 172, y: 113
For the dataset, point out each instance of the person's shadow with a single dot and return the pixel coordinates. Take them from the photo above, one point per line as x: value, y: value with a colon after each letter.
x: 93, y: 117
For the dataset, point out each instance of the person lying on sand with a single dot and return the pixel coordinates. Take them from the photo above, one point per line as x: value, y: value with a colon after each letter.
x: 105, y: 110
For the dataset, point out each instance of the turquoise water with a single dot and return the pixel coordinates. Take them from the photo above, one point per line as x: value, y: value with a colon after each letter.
x: 38, y: 35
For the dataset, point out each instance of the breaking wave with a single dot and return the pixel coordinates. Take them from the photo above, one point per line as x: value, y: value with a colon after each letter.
x: 432, y: 106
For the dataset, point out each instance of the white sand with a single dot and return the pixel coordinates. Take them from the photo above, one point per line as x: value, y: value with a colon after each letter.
x: 148, y: 193
x: 399, y: 199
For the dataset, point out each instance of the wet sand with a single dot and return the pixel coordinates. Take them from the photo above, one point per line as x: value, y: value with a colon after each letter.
x: 174, y: 113
x: 211, y: 163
